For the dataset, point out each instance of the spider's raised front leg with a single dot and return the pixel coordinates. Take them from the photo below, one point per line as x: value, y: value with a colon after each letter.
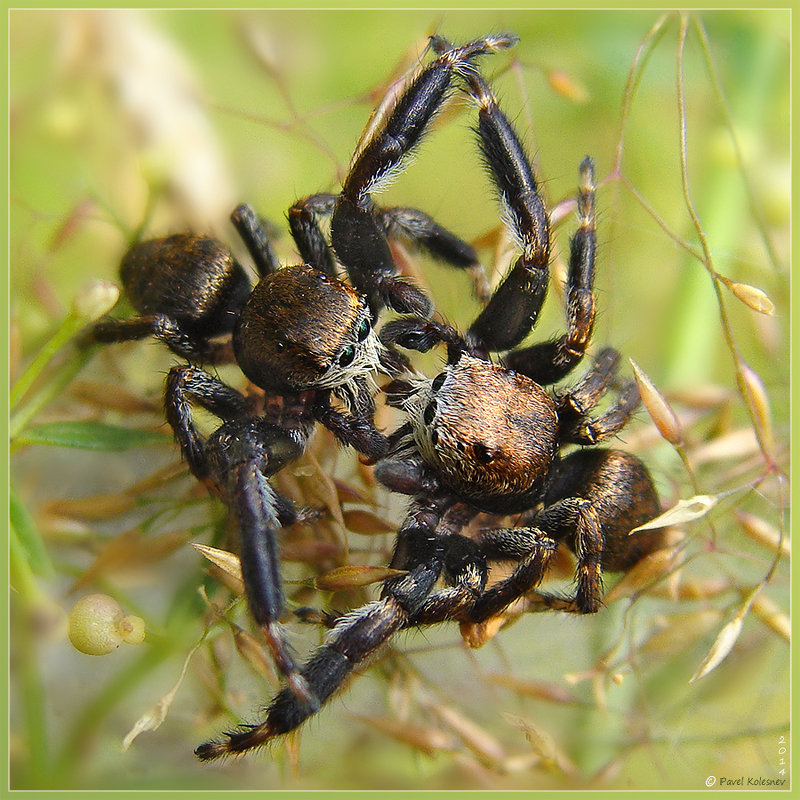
x: 514, y: 307
x: 357, y: 233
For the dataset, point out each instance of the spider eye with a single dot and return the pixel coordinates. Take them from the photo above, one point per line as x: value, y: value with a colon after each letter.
x: 483, y: 455
x: 347, y: 355
x: 279, y: 345
x: 363, y: 330
x: 429, y: 413
x: 438, y: 381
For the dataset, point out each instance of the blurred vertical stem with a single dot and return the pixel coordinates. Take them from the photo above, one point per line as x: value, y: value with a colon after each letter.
x: 69, y: 327
x: 33, y: 704
x: 691, y: 347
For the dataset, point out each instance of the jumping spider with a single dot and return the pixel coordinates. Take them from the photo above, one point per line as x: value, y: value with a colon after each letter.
x: 486, y: 437
x: 299, y: 336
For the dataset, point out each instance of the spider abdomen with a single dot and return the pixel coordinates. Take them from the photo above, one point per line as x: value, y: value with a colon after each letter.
x: 622, y: 495
x: 188, y: 277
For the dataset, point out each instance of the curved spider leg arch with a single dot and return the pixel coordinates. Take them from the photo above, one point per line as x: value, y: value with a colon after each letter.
x: 356, y: 431
x: 531, y: 548
x: 187, y: 385
x: 512, y: 311
x: 356, y: 233
x: 235, y: 463
x: 578, y: 400
x: 548, y: 362
x: 588, y: 430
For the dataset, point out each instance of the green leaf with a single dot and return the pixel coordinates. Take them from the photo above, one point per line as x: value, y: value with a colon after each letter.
x: 28, y: 536
x: 89, y: 436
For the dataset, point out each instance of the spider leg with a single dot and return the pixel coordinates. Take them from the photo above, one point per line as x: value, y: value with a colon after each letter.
x: 424, y: 233
x: 518, y: 299
x: 236, y: 462
x: 189, y: 384
x: 531, y: 548
x: 410, y: 224
x: 355, y: 636
x: 548, y: 362
x: 160, y: 326
x: 421, y: 335
x: 252, y: 233
x: 593, y: 502
x: 574, y: 404
x: 241, y: 456
x: 356, y: 232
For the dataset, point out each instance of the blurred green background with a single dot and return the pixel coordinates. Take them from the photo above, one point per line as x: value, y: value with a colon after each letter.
x: 126, y: 124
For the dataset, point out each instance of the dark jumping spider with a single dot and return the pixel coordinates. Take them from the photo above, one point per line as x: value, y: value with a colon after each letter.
x: 483, y: 437
x: 300, y: 335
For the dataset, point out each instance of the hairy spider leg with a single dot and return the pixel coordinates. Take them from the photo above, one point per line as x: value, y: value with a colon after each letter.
x: 253, y: 233
x: 514, y: 308
x: 356, y: 431
x: 411, y: 225
x: 548, y: 362
x: 185, y: 385
x: 236, y: 463
x: 356, y: 233
x: 574, y: 404
x: 355, y: 636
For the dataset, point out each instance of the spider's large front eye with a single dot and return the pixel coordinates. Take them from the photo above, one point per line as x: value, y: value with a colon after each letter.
x: 363, y: 330
x: 347, y: 355
x: 437, y: 382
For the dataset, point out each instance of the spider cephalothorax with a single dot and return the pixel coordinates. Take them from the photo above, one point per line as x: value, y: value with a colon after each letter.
x: 302, y: 330
x: 490, y: 433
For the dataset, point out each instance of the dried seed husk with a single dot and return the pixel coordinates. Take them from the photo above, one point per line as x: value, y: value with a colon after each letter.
x: 354, y: 577
x: 424, y: 738
x: 658, y: 408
